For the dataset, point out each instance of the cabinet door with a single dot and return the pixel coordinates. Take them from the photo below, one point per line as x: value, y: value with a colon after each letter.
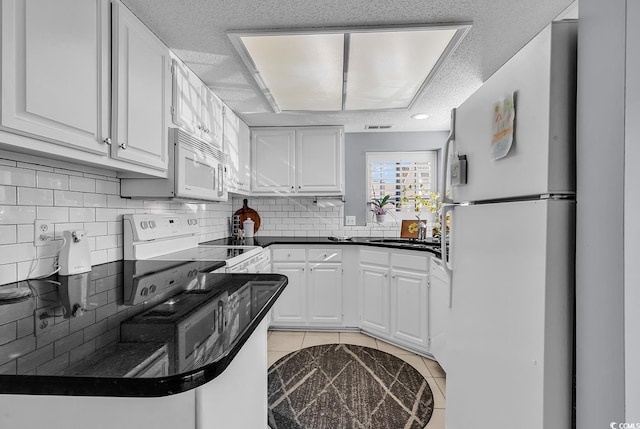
x: 231, y: 146
x: 409, y: 307
x: 186, y: 98
x: 319, y: 165
x: 244, y: 157
x: 55, y: 71
x: 374, y: 299
x: 212, y: 118
x: 140, y: 89
x: 290, y: 308
x: 272, y: 157
x: 325, y: 294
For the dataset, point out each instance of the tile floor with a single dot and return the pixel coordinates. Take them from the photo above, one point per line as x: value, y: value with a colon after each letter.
x: 281, y: 343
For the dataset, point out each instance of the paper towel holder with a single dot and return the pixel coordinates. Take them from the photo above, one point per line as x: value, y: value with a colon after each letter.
x: 323, y: 200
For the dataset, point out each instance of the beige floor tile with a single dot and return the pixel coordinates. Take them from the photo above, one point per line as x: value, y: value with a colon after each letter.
x: 285, y: 341
x: 272, y: 357
x: 442, y: 384
x: 318, y: 338
x: 435, y: 368
x: 438, y: 397
x: 391, y: 349
x: 358, y: 339
x: 417, y: 362
x: 437, y: 420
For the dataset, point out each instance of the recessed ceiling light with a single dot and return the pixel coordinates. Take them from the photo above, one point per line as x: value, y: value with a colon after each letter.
x: 420, y: 116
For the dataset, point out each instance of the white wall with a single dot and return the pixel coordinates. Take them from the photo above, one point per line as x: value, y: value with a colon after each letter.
x: 358, y: 144
x: 601, y: 233
x: 631, y: 209
x: 74, y: 197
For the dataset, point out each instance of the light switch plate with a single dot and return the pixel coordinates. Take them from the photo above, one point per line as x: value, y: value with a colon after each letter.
x: 349, y: 220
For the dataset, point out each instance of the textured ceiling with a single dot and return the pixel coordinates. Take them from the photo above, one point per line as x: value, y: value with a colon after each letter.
x: 196, y: 31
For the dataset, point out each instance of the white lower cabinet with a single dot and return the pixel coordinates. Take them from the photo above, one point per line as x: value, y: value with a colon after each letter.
x: 394, y: 290
x: 314, y: 294
x: 387, y: 293
x: 374, y: 299
x: 290, y: 309
x: 324, y: 288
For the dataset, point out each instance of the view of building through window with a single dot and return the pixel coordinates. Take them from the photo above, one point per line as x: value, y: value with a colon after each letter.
x: 402, y: 176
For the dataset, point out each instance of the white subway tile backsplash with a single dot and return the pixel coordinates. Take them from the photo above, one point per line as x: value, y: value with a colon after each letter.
x: 76, y: 199
x: 54, y: 214
x: 17, y: 215
x: 8, y: 234
x: 95, y: 200
x: 8, y: 272
x: 82, y: 184
x: 97, y: 228
x: 11, y: 253
x: 82, y: 214
x: 68, y: 198
x: 17, y: 176
x: 35, y: 197
x: 25, y: 233
x: 8, y: 195
x: 48, y: 180
x: 106, y: 187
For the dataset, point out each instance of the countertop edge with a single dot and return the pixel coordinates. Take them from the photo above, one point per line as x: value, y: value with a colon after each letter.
x: 132, y: 387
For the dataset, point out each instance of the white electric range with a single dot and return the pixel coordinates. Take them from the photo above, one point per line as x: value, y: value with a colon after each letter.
x: 161, y: 250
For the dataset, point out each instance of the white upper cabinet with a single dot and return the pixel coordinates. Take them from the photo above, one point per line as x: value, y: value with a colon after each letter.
x: 196, y: 109
x: 140, y: 90
x: 319, y: 166
x: 237, y: 146
x: 272, y: 160
x: 298, y: 160
x: 55, y: 71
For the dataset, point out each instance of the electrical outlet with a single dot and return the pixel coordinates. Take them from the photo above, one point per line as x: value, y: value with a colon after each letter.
x: 349, y: 220
x: 44, y: 319
x: 43, y: 231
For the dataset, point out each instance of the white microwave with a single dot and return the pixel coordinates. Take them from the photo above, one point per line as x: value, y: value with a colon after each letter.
x: 197, y: 172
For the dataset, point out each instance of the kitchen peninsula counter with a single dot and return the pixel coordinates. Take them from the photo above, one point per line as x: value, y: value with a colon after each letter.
x: 85, y: 355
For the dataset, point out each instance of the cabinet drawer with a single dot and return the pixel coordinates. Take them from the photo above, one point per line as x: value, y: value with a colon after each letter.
x: 325, y: 255
x: 374, y: 257
x: 288, y: 255
x: 412, y: 262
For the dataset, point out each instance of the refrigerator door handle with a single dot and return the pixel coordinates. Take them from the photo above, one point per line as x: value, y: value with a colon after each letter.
x: 444, y: 249
x: 445, y: 159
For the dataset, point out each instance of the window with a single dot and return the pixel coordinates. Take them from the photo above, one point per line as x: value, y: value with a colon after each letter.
x: 389, y: 173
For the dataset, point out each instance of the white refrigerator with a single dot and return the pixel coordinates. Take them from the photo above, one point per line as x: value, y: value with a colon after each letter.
x: 511, y: 246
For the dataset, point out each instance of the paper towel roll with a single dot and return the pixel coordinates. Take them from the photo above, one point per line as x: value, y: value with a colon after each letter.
x: 329, y: 202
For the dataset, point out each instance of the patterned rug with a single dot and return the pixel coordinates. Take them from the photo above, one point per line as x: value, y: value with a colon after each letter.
x: 340, y: 386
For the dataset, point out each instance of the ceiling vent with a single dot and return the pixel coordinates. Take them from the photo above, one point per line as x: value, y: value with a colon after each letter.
x: 377, y: 127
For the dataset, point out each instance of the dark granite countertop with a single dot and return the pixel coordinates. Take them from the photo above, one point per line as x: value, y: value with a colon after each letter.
x: 138, y: 341
x: 428, y: 245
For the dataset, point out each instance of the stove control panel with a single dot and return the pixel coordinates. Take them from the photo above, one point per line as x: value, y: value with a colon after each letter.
x: 142, y: 230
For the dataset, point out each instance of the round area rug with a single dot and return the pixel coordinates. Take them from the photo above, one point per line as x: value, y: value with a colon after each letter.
x: 339, y: 386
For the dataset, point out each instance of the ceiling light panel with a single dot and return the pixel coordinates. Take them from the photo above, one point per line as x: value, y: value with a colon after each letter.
x: 299, y: 71
x: 387, y: 69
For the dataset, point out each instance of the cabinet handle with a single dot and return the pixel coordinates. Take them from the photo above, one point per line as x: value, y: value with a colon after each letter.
x: 310, y: 269
x: 386, y: 275
x: 107, y: 140
x: 393, y: 277
x: 299, y: 187
x: 302, y: 269
x: 200, y: 127
x: 123, y: 146
x: 292, y: 187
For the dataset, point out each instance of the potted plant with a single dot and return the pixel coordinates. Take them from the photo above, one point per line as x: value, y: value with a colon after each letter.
x: 378, y: 207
